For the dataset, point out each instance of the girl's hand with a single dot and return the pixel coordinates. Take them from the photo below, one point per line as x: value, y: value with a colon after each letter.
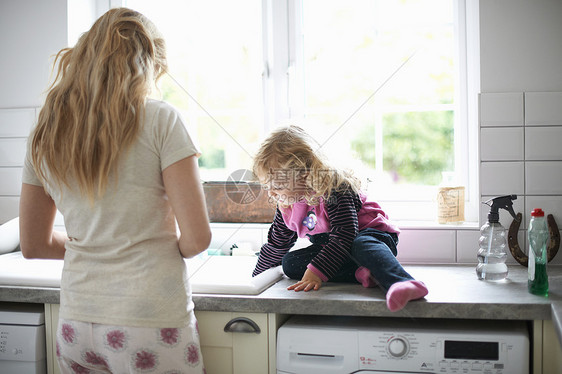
x: 309, y: 281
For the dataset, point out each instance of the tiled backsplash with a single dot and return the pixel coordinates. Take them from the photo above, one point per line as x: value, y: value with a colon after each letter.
x: 15, y: 125
x: 519, y: 154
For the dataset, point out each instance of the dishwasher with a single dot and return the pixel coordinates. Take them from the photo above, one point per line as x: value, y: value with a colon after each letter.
x: 369, y: 345
x: 22, y: 339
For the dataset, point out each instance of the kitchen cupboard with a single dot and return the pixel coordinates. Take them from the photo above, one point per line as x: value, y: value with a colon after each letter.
x: 547, y: 351
x: 51, y: 323
x: 239, y: 350
x: 242, y: 351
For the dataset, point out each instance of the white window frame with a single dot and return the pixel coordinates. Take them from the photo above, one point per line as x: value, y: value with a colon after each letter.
x: 283, y: 81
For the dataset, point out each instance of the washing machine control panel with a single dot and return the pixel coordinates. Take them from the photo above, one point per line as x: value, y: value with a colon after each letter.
x: 435, y: 352
x: 338, y: 345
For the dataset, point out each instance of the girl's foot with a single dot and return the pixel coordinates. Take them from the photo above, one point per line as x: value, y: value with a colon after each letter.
x: 363, y: 275
x: 400, y: 293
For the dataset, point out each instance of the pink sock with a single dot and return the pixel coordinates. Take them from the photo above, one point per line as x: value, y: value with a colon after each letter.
x: 400, y: 293
x: 363, y: 275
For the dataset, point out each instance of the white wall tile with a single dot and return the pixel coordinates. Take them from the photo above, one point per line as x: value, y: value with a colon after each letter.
x: 543, y: 177
x: 32, y: 34
x: 427, y: 246
x: 501, y: 144
x: 16, y: 122
x: 10, y: 181
x: 505, y: 218
x: 10, y: 208
x: 501, y: 109
x: 12, y: 151
x: 543, y: 108
x: 467, y: 246
x: 543, y: 143
x: 502, y: 178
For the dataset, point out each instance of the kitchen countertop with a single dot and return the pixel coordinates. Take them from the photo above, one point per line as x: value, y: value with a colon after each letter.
x: 454, y: 292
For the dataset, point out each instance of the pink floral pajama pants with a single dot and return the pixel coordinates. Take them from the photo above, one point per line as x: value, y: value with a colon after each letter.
x: 92, y: 348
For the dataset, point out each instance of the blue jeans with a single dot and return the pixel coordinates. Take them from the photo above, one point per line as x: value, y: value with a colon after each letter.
x: 373, y: 249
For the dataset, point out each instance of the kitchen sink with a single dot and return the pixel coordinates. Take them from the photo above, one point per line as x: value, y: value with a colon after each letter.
x: 207, y: 274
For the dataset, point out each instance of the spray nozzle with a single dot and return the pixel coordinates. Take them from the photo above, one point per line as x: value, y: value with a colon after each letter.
x: 500, y: 202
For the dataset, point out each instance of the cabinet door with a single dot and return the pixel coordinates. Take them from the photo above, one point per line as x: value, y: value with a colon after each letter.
x: 51, y: 324
x: 223, y: 352
x: 235, y: 351
x: 552, y: 353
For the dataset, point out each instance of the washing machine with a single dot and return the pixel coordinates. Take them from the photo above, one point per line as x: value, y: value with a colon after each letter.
x: 342, y: 345
x: 22, y: 339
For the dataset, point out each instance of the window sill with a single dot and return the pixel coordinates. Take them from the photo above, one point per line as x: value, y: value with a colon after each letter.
x: 430, y: 225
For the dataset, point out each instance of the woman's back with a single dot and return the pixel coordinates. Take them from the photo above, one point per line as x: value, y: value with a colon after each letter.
x: 125, y: 244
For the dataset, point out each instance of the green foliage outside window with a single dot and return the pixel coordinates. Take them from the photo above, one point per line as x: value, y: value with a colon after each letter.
x: 418, y: 146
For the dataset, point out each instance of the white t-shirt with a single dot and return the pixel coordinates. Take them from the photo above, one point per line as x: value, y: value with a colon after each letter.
x: 122, y: 264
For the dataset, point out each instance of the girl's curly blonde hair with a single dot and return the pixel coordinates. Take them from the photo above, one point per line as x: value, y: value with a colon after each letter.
x: 95, y: 105
x: 291, y: 152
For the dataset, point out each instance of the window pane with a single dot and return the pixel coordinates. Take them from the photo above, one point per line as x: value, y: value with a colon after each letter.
x: 215, y: 57
x: 379, y: 85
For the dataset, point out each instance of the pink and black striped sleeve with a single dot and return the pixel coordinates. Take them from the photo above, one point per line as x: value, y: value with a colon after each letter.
x: 279, y: 240
x: 342, y: 212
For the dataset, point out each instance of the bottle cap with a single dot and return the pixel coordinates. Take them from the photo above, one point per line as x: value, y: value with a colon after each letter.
x: 537, y: 212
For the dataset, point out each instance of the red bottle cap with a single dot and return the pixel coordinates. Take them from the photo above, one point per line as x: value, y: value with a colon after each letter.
x: 537, y: 212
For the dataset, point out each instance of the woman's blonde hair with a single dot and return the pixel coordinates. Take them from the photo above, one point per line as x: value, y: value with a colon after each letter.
x: 293, y: 153
x: 95, y: 105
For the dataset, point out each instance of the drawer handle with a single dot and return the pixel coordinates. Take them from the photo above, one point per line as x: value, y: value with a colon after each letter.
x: 242, y: 324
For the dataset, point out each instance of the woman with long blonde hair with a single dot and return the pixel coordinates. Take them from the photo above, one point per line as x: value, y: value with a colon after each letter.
x: 122, y: 169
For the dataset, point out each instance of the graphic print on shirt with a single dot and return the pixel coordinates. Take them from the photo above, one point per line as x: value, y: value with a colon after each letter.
x: 310, y: 220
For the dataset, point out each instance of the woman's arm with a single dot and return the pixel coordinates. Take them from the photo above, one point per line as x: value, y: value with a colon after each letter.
x: 183, y: 186
x: 37, y: 217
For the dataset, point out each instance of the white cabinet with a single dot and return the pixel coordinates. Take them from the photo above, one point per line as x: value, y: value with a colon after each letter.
x: 547, y: 351
x: 241, y: 351
x: 551, y: 350
x: 51, y: 323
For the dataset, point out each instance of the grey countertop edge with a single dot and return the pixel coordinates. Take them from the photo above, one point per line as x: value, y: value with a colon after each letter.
x: 36, y: 295
x: 336, y: 299
x: 454, y: 292
x: 375, y: 307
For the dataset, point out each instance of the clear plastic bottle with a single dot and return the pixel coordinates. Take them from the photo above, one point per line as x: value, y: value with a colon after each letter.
x: 492, y: 254
x: 492, y: 243
x: 538, y: 236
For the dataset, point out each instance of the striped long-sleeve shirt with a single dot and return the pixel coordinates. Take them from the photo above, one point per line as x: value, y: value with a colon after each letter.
x: 342, y: 216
